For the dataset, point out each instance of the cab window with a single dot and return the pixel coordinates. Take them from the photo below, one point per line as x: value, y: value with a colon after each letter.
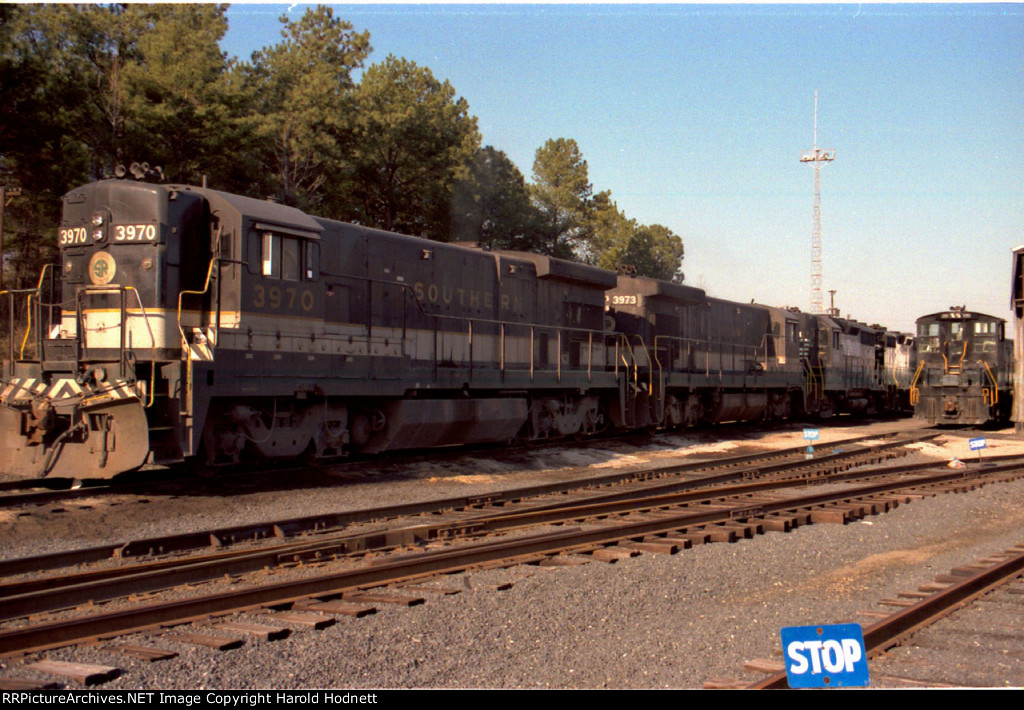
x: 288, y: 258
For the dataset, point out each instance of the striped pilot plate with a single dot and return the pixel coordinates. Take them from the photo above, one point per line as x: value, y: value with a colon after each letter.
x: 24, y: 389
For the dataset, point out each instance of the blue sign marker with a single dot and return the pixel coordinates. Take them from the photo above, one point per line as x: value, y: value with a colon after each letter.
x: 810, y: 434
x: 977, y: 444
x: 825, y: 656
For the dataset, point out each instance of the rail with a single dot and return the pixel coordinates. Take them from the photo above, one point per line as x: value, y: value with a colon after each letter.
x: 886, y: 633
x: 433, y: 563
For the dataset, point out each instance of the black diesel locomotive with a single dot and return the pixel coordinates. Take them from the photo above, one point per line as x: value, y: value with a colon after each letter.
x: 964, y: 369
x: 187, y: 323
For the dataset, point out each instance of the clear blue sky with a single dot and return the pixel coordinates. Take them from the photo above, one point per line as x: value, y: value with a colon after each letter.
x: 695, y: 116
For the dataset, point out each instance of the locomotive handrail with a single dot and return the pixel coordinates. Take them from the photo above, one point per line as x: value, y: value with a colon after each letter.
x: 622, y: 346
x: 11, y: 292
x: 661, y: 381
x: 707, y: 344
x: 995, y: 385
x: 895, y: 379
x: 899, y: 373
x: 502, y: 324
x: 425, y: 313
x: 186, y: 352
x: 853, y: 373
x: 959, y: 365
x: 647, y: 353
x: 915, y: 391
x: 473, y: 347
x: 215, y: 249
x: 815, y: 378
x: 37, y: 291
x: 152, y: 347
x: 121, y: 290
x: 28, y: 326
x: 619, y: 354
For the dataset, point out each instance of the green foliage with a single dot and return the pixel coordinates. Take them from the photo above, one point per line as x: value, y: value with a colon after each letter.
x: 37, y: 152
x: 88, y: 87
x: 176, y: 104
x: 301, y: 100
x: 413, y: 141
x: 124, y: 83
x: 617, y: 241
x: 653, y: 250
x: 561, y: 192
x: 609, y: 228
x: 491, y: 205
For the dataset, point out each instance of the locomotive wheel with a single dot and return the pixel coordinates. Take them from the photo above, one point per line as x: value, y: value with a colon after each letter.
x: 201, y: 469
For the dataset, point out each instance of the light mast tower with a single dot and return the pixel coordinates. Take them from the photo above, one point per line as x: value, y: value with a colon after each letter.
x: 817, y: 157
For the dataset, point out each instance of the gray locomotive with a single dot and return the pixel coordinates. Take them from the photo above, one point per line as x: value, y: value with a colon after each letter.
x: 187, y: 323
x: 964, y: 368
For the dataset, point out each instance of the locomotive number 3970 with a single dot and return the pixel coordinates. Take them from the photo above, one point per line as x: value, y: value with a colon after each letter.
x: 122, y: 233
x: 134, y: 232
x: 277, y: 297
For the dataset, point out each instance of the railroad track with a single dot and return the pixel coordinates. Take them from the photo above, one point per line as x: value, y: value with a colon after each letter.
x: 15, y: 493
x: 847, y: 452
x: 629, y: 489
x: 607, y: 527
x: 23, y: 493
x: 952, y: 615
x: 975, y: 640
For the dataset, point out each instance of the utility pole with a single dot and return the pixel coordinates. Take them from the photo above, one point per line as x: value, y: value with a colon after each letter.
x: 5, y: 193
x: 817, y: 157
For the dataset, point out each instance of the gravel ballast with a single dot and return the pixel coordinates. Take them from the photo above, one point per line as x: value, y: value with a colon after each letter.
x: 654, y: 621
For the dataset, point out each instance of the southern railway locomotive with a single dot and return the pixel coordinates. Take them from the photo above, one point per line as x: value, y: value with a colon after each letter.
x: 187, y: 323
x: 964, y: 368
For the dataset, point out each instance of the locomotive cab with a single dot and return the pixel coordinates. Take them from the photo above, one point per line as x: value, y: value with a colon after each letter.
x: 129, y: 249
x: 963, y: 373
x: 91, y: 380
